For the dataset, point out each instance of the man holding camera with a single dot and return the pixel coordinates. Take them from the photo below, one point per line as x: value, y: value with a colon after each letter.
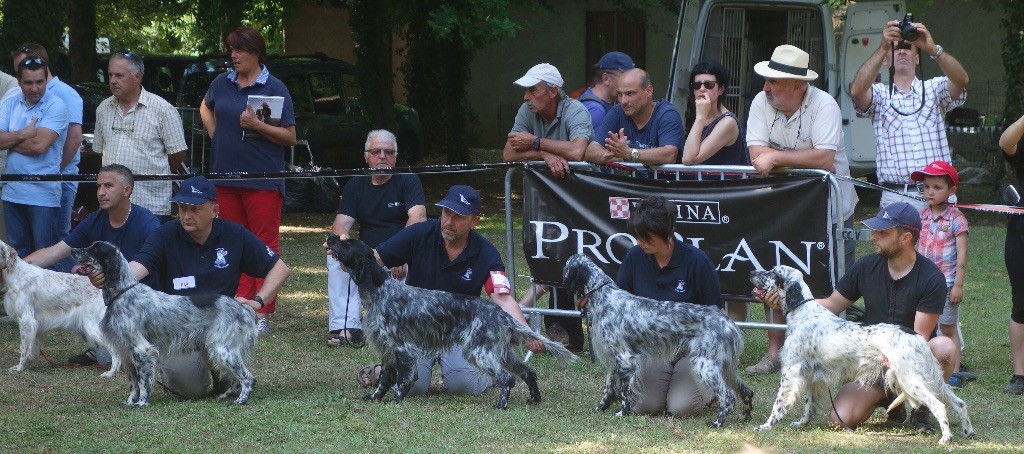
x: 907, y: 113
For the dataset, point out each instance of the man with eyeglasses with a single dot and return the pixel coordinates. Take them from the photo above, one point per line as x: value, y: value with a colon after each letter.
x: 141, y: 131
x: 383, y: 204
x: 33, y: 127
x: 70, y: 155
x: 795, y: 124
x: 907, y: 116
x: 549, y: 124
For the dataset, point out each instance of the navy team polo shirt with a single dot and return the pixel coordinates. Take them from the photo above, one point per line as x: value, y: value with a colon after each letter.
x: 210, y: 268
x: 232, y: 154
x: 421, y: 246
x: 689, y: 276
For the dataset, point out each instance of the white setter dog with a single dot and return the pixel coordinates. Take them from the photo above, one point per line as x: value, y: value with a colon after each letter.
x: 41, y: 300
x: 823, y: 351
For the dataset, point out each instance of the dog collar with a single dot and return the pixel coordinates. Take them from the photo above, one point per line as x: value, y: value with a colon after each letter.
x: 118, y: 295
x: 793, y: 308
x: 581, y: 302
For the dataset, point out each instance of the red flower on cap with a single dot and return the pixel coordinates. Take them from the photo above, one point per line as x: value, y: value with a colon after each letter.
x: 937, y: 169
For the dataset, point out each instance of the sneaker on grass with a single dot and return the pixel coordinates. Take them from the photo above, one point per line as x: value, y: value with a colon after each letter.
x: 767, y: 365
x: 262, y: 326
x: 1016, y: 385
x: 86, y: 358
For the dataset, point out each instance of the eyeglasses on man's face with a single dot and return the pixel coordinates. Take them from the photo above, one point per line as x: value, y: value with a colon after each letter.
x: 378, y: 151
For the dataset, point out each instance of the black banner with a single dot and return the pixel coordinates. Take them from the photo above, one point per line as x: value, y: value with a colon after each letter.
x: 742, y: 224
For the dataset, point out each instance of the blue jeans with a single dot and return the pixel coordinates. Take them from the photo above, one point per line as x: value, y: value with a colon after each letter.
x: 30, y: 227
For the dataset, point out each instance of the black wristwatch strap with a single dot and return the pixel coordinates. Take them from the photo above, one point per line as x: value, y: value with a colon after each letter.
x: 258, y: 299
x: 536, y: 143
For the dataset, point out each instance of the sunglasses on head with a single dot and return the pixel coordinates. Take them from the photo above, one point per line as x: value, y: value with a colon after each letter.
x: 31, y: 61
x: 708, y: 84
x: 378, y: 151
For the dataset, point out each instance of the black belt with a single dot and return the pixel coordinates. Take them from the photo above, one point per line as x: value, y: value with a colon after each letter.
x: 905, y: 187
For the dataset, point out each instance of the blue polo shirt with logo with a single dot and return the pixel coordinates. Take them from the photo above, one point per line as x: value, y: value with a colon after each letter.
x: 689, y: 276
x: 210, y: 268
x: 421, y: 246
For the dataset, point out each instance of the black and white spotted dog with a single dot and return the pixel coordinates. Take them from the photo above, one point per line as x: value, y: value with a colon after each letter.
x: 405, y: 323
x: 41, y: 300
x: 628, y: 330
x: 143, y: 324
x: 823, y: 351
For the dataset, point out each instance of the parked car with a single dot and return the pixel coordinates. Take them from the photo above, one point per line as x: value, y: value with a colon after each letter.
x: 328, y: 116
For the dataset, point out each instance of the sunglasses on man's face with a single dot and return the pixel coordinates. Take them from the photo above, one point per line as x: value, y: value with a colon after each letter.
x: 708, y: 84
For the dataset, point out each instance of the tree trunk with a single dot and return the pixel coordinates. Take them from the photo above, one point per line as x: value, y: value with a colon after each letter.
x: 82, y: 32
x: 372, y: 24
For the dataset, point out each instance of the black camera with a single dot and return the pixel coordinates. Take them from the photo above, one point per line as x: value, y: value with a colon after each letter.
x: 908, y: 32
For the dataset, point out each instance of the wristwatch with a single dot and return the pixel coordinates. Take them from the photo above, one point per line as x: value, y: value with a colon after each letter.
x: 634, y: 154
x: 536, y: 143
x: 258, y: 299
x: 938, y: 52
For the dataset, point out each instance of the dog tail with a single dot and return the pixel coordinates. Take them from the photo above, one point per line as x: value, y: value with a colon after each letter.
x: 556, y: 349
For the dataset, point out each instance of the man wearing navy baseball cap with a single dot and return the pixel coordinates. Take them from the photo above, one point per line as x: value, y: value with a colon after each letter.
x: 447, y: 254
x: 600, y: 96
x: 901, y: 287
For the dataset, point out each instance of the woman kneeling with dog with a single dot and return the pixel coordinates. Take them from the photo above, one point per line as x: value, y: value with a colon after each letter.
x: 662, y: 267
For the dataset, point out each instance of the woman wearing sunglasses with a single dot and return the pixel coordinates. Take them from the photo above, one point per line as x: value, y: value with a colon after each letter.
x: 713, y: 136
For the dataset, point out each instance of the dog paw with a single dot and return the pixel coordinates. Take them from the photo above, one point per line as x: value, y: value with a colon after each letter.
x: 763, y: 428
x: 714, y: 424
x: 797, y: 424
x: 945, y: 439
x: 108, y: 374
x: 532, y: 401
x: 15, y: 369
x: 241, y: 401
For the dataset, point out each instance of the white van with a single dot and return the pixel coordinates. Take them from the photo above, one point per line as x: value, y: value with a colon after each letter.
x: 740, y: 33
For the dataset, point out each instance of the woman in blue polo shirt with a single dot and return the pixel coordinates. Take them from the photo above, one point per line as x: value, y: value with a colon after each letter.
x: 664, y: 268
x: 244, y: 143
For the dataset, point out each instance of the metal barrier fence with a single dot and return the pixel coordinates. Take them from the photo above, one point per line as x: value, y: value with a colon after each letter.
x: 837, y: 234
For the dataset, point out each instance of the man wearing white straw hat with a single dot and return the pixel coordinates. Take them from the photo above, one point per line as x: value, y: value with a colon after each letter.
x: 794, y: 124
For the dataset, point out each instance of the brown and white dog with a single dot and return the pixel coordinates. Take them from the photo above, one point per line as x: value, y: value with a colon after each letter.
x: 823, y: 351
x: 40, y: 300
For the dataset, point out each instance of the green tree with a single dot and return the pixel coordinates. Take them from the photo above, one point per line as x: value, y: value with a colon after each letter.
x: 35, y: 22
x: 1013, y: 58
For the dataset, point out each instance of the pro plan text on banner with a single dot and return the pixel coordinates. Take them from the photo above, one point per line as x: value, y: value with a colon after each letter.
x: 741, y: 224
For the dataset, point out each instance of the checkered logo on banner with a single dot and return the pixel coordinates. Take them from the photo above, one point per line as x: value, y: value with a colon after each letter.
x: 619, y: 207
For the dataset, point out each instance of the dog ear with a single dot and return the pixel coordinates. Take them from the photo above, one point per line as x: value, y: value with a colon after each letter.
x: 364, y: 270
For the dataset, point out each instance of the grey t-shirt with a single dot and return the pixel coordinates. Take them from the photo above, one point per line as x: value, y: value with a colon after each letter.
x: 571, y: 121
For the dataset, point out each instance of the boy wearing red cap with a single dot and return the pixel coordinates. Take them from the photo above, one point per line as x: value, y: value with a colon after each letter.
x: 944, y: 241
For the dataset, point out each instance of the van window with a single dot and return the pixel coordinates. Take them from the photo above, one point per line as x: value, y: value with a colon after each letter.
x: 738, y: 37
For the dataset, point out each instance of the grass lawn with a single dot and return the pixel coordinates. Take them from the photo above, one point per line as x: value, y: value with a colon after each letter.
x: 306, y: 398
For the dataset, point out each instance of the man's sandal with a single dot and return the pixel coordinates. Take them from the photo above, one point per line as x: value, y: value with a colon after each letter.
x: 368, y: 376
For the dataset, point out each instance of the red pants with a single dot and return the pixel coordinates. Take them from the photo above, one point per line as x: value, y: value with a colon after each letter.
x: 259, y: 211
